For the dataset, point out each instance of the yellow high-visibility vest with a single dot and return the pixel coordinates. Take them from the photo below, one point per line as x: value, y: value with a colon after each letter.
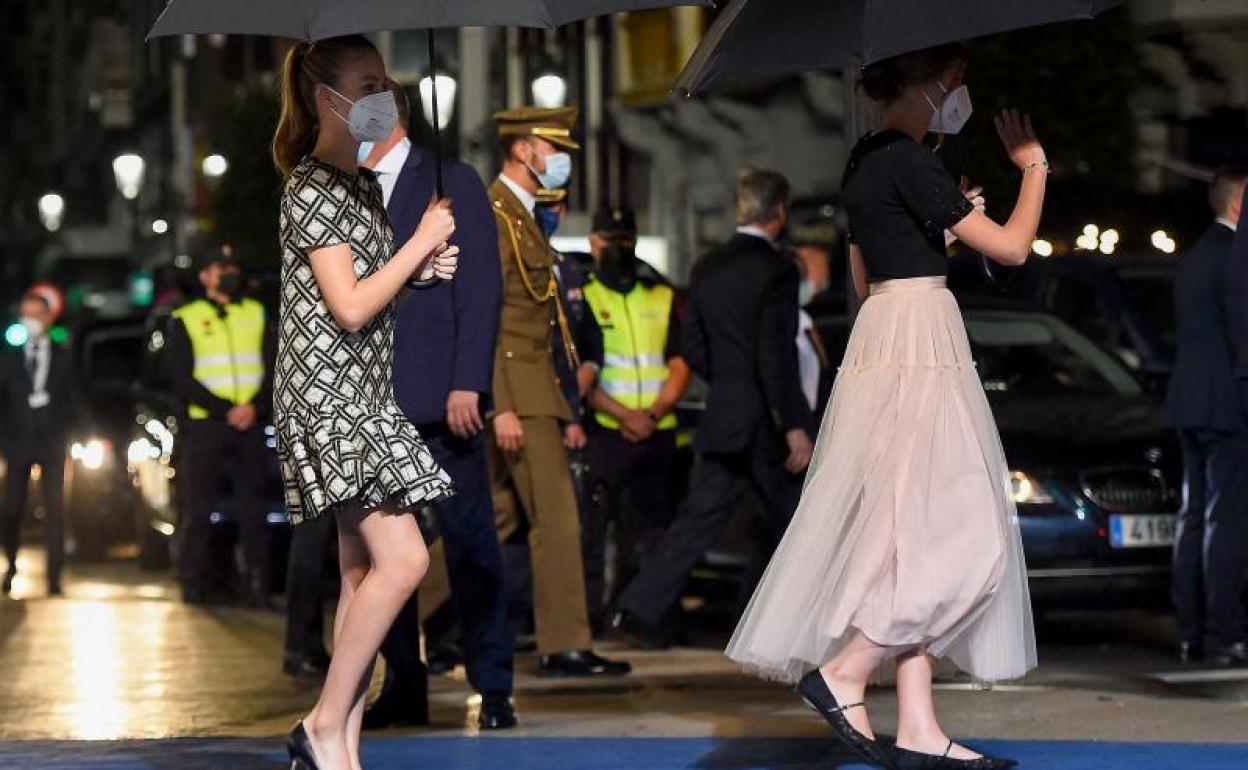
x: 229, y: 351
x: 634, y: 340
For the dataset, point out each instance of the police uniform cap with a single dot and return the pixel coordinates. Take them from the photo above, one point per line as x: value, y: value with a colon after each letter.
x: 615, y: 220
x: 554, y: 125
x: 217, y: 256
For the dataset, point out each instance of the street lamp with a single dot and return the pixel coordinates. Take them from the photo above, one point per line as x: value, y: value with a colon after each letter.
x: 160, y: 226
x: 128, y: 172
x: 549, y: 90
x: 215, y: 166
x: 446, y: 86
x: 52, y: 211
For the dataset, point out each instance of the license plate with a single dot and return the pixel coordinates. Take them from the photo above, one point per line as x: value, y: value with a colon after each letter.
x: 1141, y: 531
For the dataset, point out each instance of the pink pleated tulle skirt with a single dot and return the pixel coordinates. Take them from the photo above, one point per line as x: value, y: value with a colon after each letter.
x: 906, y: 530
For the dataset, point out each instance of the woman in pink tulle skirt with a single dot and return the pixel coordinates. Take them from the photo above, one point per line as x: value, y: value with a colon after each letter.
x: 905, y: 546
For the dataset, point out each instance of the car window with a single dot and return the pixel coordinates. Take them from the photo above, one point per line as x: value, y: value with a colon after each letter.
x: 1030, y: 353
x: 1149, y: 291
x: 112, y: 357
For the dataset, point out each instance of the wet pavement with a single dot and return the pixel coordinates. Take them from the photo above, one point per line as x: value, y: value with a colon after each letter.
x: 119, y: 659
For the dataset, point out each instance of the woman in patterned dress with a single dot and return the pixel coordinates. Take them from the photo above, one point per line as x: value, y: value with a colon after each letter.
x: 345, y: 448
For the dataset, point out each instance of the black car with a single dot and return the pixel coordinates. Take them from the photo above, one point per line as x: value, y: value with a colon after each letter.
x: 123, y: 486
x: 1125, y: 304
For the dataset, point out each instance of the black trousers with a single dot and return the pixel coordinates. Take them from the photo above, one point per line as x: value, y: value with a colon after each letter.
x: 717, y: 486
x: 305, y: 587
x: 1211, y: 545
x: 634, y: 489
x: 23, y: 454
x: 474, y: 565
x: 214, y: 454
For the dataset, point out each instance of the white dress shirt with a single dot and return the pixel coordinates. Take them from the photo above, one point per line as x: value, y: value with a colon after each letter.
x: 757, y: 232
x: 527, y: 199
x: 390, y: 166
x: 1233, y: 225
x: 808, y: 364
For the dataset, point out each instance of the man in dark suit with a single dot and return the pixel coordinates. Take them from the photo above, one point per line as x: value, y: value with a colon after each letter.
x: 1203, y: 404
x: 756, y: 433
x: 443, y: 364
x: 38, y: 406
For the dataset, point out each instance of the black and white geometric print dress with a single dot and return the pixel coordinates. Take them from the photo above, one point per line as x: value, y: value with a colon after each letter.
x: 340, y: 435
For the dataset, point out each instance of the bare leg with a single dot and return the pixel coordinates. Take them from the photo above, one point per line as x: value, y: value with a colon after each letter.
x: 353, y: 562
x: 917, y: 728
x: 395, y: 569
x: 846, y: 676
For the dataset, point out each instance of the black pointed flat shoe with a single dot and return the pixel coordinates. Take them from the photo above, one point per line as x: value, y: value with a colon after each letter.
x: 904, y: 759
x: 299, y: 746
x: 814, y: 691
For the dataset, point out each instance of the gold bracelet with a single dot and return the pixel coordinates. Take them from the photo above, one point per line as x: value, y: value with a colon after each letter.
x: 1044, y: 164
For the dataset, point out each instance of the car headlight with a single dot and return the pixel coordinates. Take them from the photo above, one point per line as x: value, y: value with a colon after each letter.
x: 1027, y: 490
x: 92, y: 453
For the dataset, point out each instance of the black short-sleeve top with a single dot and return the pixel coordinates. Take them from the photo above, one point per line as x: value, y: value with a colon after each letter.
x: 900, y: 201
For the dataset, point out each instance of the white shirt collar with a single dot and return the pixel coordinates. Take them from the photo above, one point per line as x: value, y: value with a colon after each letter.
x: 527, y: 199
x: 1233, y: 225
x: 757, y: 232
x: 392, y: 162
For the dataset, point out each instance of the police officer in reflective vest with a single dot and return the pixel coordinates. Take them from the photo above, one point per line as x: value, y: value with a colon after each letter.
x: 219, y: 353
x: 632, y: 444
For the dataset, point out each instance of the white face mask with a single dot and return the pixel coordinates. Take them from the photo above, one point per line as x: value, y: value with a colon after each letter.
x: 952, y: 113
x: 372, y: 118
x: 366, y: 149
x: 34, y: 327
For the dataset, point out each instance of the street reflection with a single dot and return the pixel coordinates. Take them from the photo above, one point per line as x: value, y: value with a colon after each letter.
x: 97, y: 708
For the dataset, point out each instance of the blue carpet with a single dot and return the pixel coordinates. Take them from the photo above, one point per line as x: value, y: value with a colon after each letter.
x: 417, y: 753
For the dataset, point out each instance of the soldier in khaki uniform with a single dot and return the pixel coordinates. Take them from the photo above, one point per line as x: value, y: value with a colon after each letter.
x: 528, y: 464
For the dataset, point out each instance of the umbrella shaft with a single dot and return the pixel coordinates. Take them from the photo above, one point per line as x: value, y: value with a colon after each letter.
x: 437, y: 130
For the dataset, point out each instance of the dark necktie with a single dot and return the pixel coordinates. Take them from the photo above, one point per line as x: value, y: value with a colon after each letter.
x: 32, y: 360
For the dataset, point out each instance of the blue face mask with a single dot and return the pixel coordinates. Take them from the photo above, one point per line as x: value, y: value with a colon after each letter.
x: 547, y: 219
x: 366, y: 149
x: 558, y: 171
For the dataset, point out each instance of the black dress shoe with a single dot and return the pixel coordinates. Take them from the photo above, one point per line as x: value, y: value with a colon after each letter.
x: 581, y: 663
x: 1191, y: 652
x: 814, y: 691
x: 649, y: 637
x: 904, y: 759
x: 300, y: 749
x: 7, y: 585
x: 310, y: 664
x: 497, y: 713
x: 1232, y: 655
x: 396, y: 709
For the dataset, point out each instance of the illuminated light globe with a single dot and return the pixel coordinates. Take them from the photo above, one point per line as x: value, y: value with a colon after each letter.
x: 447, y: 87
x: 52, y: 211
x: 16, y: 335
x: 549, y: 91
x: 128, y: 172
x: 215, y: 166
x: 1092, y: 231
x: 1042, y: 248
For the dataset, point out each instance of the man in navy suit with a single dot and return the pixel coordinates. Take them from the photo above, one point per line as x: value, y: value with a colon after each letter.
x: 443, y: 364
x: 1204, y: 405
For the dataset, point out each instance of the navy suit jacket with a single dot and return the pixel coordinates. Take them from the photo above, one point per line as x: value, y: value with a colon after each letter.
x: 1202, y: 391
x: 445, y: 334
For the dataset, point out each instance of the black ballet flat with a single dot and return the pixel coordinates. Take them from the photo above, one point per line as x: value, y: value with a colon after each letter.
x: 814, y: 691
x: 299, y: 746
x: 904, y: 759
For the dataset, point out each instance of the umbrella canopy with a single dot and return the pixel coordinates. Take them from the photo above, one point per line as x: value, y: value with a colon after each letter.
x: 317, y: 19
x: 757, y: 39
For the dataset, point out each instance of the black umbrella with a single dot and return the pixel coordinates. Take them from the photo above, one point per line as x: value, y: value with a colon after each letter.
x: 317, y: 19
x: 758, y: 39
